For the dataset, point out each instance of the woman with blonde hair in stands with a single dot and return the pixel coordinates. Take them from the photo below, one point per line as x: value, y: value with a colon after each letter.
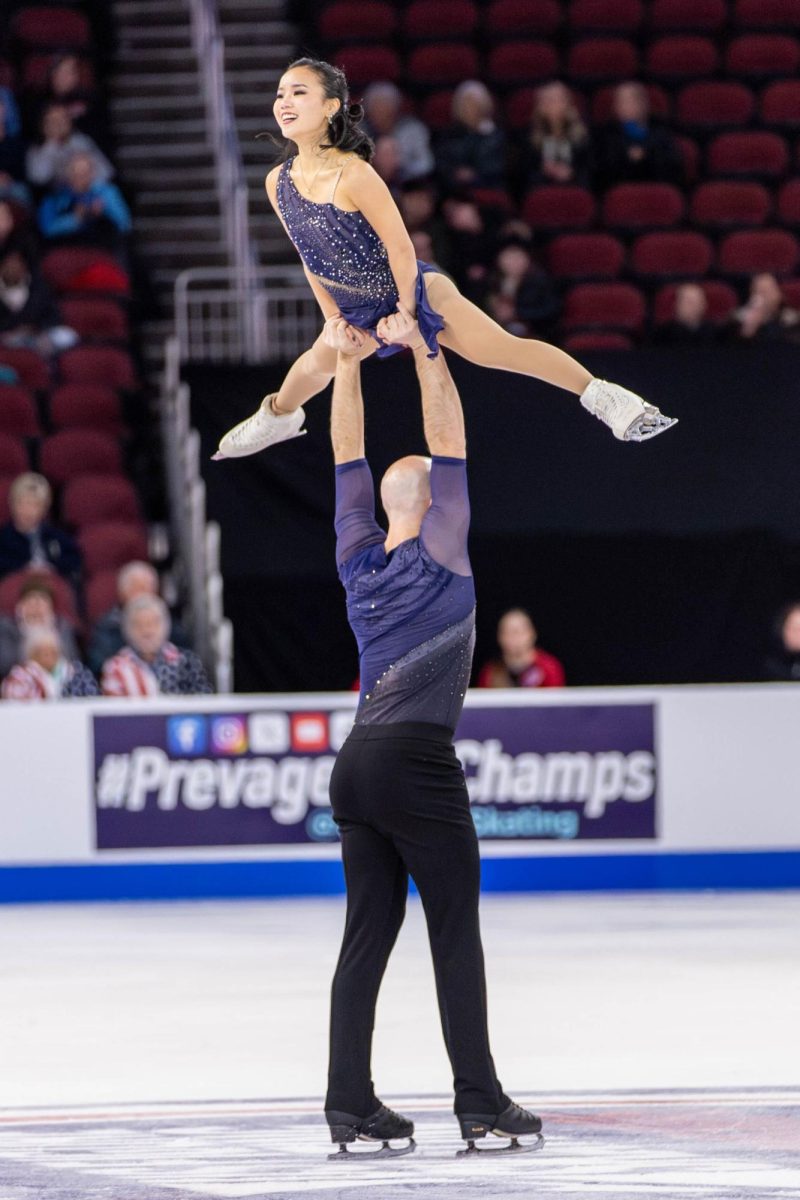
x: 360, y: 263
x: 556, y: 148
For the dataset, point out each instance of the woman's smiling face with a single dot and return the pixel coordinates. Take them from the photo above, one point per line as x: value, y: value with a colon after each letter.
x: 301, y: 106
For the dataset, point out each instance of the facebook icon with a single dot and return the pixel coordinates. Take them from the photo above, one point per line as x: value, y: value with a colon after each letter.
x: 187, y: 735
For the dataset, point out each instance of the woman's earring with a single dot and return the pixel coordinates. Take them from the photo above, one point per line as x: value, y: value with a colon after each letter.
x: 330, y: 121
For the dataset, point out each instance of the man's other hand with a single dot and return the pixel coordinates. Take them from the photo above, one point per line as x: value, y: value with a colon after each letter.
x: 399, y: 329
x: 345, y: 338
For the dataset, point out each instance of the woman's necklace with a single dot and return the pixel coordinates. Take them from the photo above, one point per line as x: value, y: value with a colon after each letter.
x: 309, y: 186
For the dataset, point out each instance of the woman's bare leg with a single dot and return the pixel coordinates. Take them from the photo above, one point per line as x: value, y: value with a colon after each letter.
x: 476, y: 337
x: 311, y: 373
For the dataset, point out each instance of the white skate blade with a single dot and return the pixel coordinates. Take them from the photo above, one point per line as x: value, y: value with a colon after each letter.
x: 263, y: 429
x: 649, y: 425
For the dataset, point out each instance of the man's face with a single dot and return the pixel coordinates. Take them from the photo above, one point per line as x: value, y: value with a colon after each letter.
x: 690, y: 304
x: 382, y: 111
x: 14, y: 270
x: 147, y: 633
x: 516, y: 635
x: 46, y: 654
x: 791, y: 632
x: 35, y: 609
x: 28, y: 511
x: 630, y: 103
x: 80, y: 173
x: 56, y: 125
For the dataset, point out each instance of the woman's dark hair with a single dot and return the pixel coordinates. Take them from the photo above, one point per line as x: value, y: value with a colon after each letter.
x: 344, y: 129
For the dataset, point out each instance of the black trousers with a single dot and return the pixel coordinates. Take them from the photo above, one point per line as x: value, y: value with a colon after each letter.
x: 400, y: 800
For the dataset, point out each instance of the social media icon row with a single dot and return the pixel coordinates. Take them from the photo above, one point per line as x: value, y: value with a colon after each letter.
x: 271, y: 733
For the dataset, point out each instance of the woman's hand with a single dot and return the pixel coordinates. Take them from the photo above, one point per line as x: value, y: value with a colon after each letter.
x: 399, y: 329
x: 343, y: 337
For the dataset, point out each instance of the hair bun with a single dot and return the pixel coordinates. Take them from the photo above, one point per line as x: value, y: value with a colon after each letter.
x: 354, y: 111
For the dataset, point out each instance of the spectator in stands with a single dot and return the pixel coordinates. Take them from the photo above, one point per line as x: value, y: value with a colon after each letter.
x: 46, y: 673
x: 472, y: 153
x: 689, y: 324
x: 149, y: 664
x: 384, y: 117
x: 34, y: 609
x: 472, y: 239
x: 12, y: 151
x: 386, y: 161
x: 106, y: 639
x: 783, y: 663
x: 29, y: 314
x: 47, y: 164
x: 86, y: 210
x: 521, y: 662
x: 766, y: 316
x: 27, y: 539
x: 521, y: 295
x: 65, y: 87
x: 13, y: 234
x: 632, y: 149
x: 556, y: 146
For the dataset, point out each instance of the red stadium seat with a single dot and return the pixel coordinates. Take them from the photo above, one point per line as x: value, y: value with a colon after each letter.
x: 519, y: 108
x: 493, y: 198
x: 13, y: 455
x: 760, y: 154
x: 681, y: 255
x: 81, y: 269
x: 688, y: 16
x: 604, y: 306
x: 98, y: 364
x: 603, y: 103
x: 520, y: 17
x: 521, y: 62
x: 598, y: 59
x: 445, y: 63
x: 690, y: 158
x: 51, y: 27
x: 436, y: 110
x: 18, y: 415
x: 7, y: 75
x: 357, y: 21
x: 605, y: 16
x: 92, y: 499
x: 111, y: 544
x: 637, y: 206
x: 362, y: 64
x: 708, y: 107
x: 789, y: 203
x: 33, y: 371
x: 767, y: 14
x: 674, y: 59
x: 598, y: 340
x: 747, y: 253
x: 791, y: 292
x: 585, y: 256
x: 444, y: 19
x: 559, y: 207
x: 95, y: 320
x: 63, y: 597
x: 759, y: 55
x: 721, y: 298
x: 5, y: 487
x: 86, y: 406
x: 73, y: 452
x: 780, y: 104
x: 36, y: 73
x: 729, y: 204
x: 101, y: 595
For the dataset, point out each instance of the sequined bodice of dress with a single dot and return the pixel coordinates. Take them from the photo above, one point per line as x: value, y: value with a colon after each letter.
x: 341, y: 248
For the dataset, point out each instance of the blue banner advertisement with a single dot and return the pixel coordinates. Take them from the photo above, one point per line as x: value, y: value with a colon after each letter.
x: 261, y: 777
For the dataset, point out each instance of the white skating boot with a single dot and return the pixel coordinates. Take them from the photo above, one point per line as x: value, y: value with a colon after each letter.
x: 265, y: 428
x: 630, y: 418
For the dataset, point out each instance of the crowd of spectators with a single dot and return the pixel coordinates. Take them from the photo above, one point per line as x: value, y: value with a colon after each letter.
x: 461, y: 190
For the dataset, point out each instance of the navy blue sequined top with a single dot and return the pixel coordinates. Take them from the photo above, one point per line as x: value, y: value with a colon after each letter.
x: 412, y: 610
x: 349, y: 259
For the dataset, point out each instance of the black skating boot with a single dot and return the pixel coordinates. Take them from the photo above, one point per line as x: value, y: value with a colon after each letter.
x: 514, y: 1122
x: 382, y: 1126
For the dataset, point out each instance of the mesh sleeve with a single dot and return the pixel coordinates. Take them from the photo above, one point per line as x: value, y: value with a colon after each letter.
x: 445, y: 528
x: 355, y: 524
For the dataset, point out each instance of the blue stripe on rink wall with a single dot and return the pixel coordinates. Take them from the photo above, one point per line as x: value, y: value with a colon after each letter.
x: 210, y: 880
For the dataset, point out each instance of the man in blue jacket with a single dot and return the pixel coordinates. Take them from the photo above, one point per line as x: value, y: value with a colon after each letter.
x: 85, y: 210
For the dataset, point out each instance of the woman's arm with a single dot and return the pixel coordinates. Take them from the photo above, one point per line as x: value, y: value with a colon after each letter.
x: 323, y: 298
x: 365, y: 190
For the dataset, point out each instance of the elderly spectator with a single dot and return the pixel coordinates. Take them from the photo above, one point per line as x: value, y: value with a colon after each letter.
x: 45, y: 672
x: 48, y: 162
x: 106, y: 640
x: 472, y: 153
x: 689, y: 325
x: 29, y: 314
x: 86, y: 210
x: 521, y: 295
x: 384, y: 117
x: 149, y: 664
x: 27, y: 539
x: 783, y: 664
x: 521, y: 662
x: 766, y: 316
x: 34, y: 609
x: 556, y: 146
x: 632, y: 148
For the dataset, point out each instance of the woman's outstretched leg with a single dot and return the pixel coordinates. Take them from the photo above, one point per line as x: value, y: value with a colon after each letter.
x: 476, y: 337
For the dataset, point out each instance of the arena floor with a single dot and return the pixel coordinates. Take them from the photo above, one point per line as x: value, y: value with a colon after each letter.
x: 166, y: 1051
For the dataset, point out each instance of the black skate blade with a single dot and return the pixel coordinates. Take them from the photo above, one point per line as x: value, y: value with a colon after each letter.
x: 513, y: 1147
x: 386, y: 1151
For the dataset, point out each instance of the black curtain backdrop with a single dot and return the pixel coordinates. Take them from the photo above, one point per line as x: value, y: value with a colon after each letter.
x: 655, y: 563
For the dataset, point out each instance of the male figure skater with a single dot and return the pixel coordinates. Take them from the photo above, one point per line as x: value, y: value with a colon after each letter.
x: 398, y: 792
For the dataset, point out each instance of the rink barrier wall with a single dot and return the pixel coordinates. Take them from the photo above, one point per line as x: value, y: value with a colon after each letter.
x: 572, y: 790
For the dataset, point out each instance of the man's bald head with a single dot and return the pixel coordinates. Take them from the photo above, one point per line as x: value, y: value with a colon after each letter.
x: 406, y: 489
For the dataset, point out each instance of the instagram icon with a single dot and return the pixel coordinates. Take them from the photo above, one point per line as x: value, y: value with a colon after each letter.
x: 228, y: 735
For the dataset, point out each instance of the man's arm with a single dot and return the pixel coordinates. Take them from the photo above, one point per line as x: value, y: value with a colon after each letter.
x: 347, y: 409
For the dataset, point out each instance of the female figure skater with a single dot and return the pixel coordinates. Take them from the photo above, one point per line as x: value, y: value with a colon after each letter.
x: 359, y: 261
